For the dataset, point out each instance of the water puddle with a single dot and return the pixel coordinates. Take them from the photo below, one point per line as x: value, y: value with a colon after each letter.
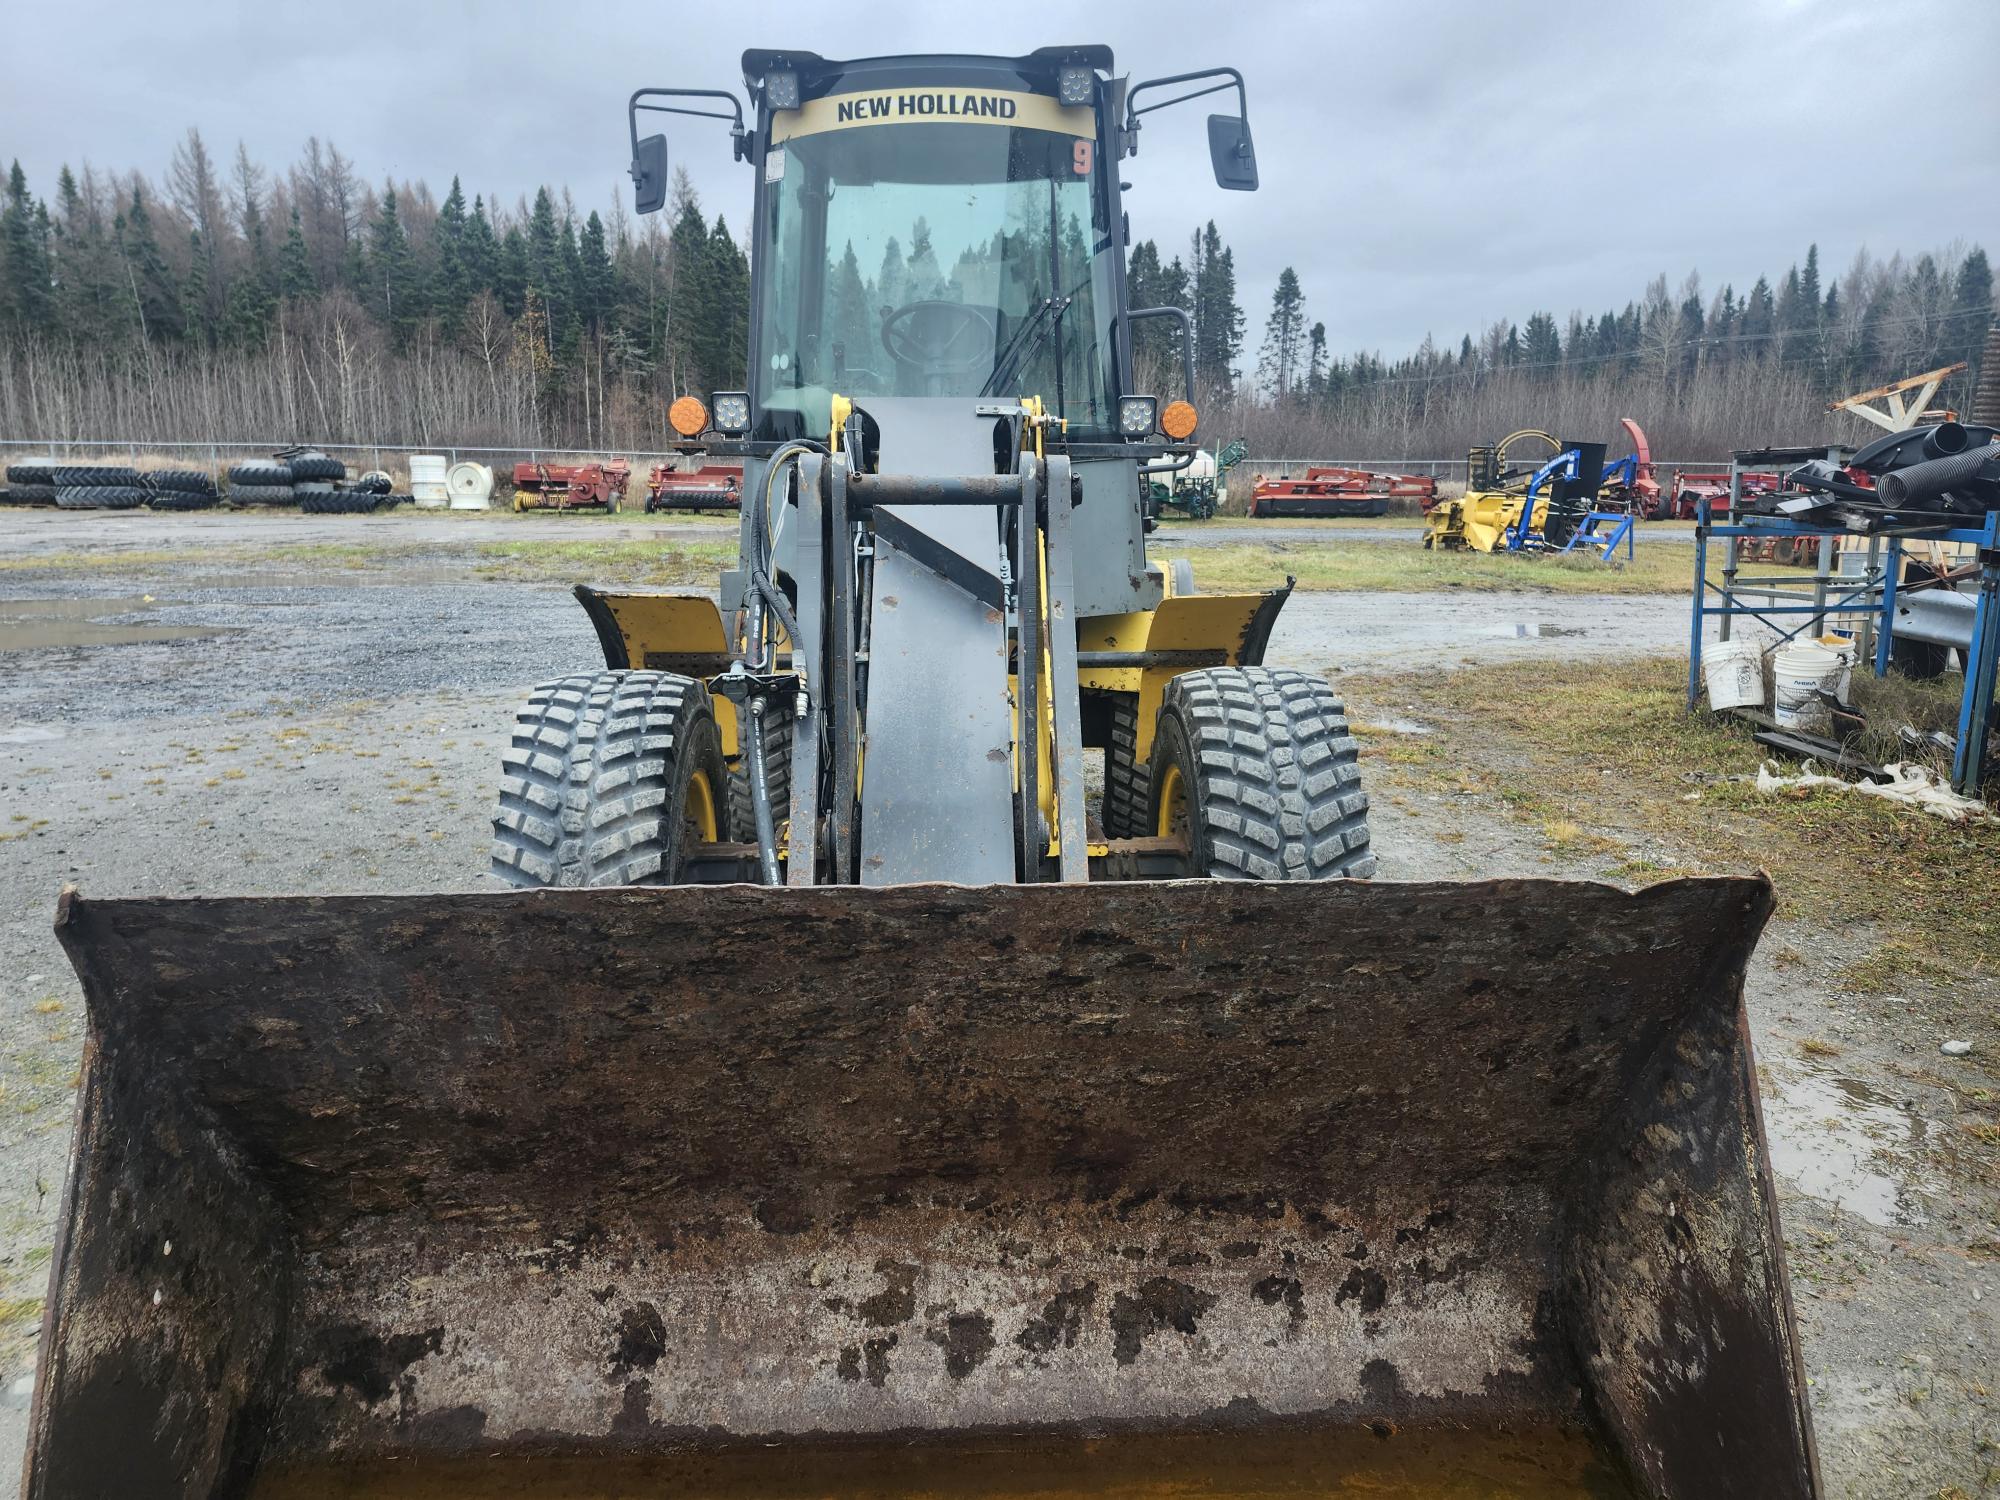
x: 1532, y: 631
x: 29, y: 734
x: 1840, y: 1141
x: 49, y: 624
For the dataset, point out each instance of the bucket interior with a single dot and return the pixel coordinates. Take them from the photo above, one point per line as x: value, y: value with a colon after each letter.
x: 1250, y: 1189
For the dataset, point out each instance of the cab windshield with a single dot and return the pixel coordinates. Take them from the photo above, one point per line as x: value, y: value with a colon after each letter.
x: 934, y: 259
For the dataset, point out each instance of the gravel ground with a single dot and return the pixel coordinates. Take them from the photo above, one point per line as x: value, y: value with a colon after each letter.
x: 301, y: 735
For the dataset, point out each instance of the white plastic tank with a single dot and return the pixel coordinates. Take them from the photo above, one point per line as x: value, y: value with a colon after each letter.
x: 470, y: 486
x: 427, y: 486
x: 1202, y: 468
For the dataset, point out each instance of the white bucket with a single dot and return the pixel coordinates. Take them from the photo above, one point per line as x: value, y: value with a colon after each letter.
x: 427, y: 487
x: 470, y: 486
x: 1844, y: 648
x: 1734, y: 673
x: 1800, y: 672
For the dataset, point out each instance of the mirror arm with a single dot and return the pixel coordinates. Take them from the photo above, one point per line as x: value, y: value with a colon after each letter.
x: 739, y: 136
x: 1228, y: 76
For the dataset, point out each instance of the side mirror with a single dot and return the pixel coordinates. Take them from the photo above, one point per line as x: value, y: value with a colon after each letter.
x: 1229, y: 148
x: 649, y: 173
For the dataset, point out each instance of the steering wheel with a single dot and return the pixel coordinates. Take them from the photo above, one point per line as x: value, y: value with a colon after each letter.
x: 939, y: 336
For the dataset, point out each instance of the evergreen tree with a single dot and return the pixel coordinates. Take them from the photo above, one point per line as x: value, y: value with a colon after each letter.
x: 394, y: 293
x: 195, y: 325
x: 29, y: 286
x: 482, y: 252
x: 598, y: 293
x: 689, y: 300
x: 1281, y: 365
x: 1218, y: 319
x: 1971, y: 308
x: 155, y: 297
x: 725, y: 334
x: 88, y: 306
x: 1541, y: 345
x: 1759, y: 320
x: 295, y: 277
x: 511, y: 271
x: 452, y: 285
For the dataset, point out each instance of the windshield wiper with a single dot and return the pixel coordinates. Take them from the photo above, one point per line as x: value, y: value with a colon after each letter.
x: 1019, y: 349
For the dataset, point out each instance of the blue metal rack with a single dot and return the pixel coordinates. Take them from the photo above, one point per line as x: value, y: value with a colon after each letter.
x: 1875, y: 595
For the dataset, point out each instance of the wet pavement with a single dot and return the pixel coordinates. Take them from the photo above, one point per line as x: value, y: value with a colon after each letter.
x: 250, y: 641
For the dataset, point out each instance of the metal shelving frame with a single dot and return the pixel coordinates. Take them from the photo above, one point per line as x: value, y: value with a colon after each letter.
x: 1873, y: 596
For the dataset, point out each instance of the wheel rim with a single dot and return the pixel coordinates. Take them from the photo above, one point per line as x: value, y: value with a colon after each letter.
x: 701, y: 818
x: 1172, y: 816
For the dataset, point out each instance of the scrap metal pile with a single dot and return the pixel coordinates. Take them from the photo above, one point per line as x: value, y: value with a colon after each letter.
x: 1922, y: 476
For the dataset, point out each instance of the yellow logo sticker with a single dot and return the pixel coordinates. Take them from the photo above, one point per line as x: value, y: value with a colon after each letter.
x: 923, y: 106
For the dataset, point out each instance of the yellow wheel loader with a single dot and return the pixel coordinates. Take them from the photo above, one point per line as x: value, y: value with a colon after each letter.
x: 826, y: 1103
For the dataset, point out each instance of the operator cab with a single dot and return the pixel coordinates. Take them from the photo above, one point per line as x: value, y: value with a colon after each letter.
x: 934, y: 231
x: 941, y: 227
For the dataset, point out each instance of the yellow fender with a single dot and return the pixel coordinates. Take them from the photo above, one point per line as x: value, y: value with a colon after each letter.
x: 1143, y: 651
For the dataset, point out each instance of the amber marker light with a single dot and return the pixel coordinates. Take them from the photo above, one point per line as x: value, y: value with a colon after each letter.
x: 688, y: 416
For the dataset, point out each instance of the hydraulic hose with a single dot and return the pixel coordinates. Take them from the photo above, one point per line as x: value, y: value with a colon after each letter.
x: 760, y: 798
x: 766, y: 594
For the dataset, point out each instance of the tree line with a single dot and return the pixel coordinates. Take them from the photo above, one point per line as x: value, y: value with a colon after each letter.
x: 239, y: 303
x: 1712, y: 372
x: 326, y: 285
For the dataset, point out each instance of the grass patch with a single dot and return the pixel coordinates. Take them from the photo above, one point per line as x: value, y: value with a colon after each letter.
x: 1612, y: 741
x: 632, y: 561
x: 1346, y: 567
x: 318, y: 555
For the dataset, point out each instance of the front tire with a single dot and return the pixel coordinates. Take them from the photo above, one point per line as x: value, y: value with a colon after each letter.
x: 612, y: 779
x: 1255, y: 767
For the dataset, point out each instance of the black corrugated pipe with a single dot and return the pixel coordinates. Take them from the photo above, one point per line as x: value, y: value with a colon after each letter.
x: 1927, y: 480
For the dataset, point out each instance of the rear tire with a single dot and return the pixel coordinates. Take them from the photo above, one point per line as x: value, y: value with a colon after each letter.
x: 1124, y: 811
x: 181, y: 481
x: 611, y: 779
x: 95, y: 476
x: 260, y: 494
x: 316, y: 466
x: 777, y: 772
x: 1257, y: 768
x: 179, y: 500
x: 99, y: 496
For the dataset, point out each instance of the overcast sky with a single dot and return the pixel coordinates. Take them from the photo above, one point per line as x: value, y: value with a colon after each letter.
x: 1427, y: 166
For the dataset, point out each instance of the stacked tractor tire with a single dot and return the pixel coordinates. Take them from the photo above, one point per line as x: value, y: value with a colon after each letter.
x: 106, y: 487
x: 312, y: 480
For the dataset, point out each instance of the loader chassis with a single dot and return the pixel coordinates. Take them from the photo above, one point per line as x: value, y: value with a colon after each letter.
x: 937, y: 480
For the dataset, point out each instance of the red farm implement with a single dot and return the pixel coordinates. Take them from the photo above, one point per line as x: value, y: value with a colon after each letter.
x: 539, y: 486
x: 710, y: 487
x: 1693, y: 487
x: 1323, y: 491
